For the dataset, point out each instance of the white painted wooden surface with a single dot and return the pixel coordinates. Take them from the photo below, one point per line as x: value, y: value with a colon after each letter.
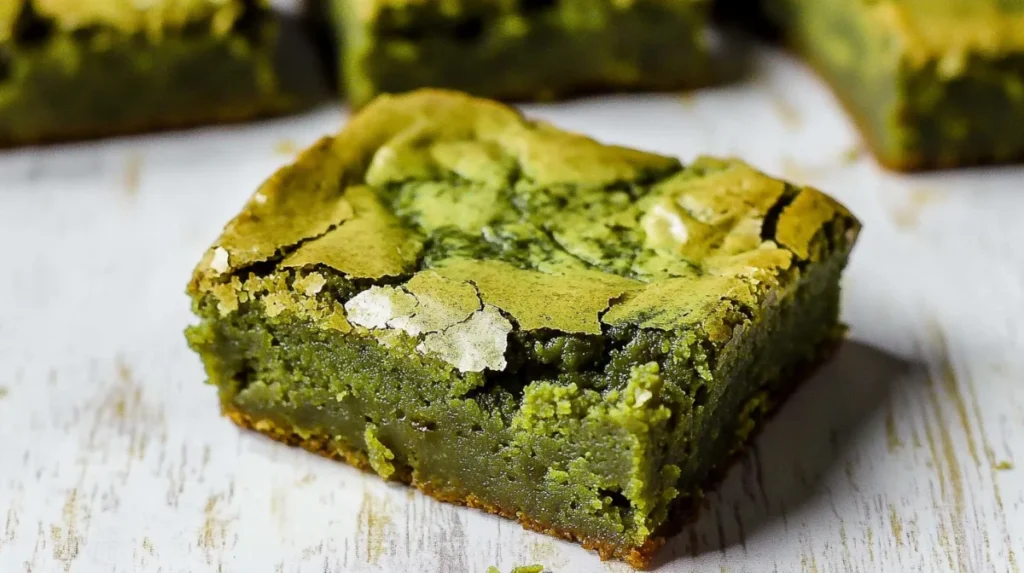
x: 899, y: 456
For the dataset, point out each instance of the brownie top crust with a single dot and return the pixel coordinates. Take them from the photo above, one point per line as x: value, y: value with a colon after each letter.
x: 151, y: 17
x: 949, y: 31
x: 450, y: 210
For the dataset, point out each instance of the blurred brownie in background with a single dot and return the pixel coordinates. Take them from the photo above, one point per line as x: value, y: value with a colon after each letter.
x: 521, y: 49
x: 932, y: 83
x: 85, y: 68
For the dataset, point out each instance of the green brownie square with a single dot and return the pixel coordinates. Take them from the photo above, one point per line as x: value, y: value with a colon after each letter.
x: 931, y: 83
x: 76, y: 68
x: 521, y: 49
x: 506, y: 315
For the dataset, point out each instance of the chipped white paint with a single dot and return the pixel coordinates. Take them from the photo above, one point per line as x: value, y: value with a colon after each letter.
x: 113, y: 457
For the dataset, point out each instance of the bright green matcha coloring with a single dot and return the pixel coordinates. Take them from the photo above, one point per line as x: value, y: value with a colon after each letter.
x: 581, y: 348
x: 380, y: 456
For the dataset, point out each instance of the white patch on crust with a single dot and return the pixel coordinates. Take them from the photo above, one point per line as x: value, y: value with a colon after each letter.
x: 219, y: 262
x: 375, y: 307
x: 474, y: 345
x: 436, y: 311
x: 664, y: 227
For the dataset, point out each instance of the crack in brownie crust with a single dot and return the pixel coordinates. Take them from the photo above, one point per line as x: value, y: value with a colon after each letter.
x: 518, y: 318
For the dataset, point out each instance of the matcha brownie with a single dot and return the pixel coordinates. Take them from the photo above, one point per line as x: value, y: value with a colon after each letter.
x: 84, y: 68
x: 517, y: 318
x: 932, y: 83
x: 520, y: 49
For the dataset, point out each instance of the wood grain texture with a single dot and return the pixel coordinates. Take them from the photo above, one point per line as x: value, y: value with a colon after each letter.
x: 903, y: 454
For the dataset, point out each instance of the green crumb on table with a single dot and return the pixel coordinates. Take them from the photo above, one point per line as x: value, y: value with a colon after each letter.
x: 521, y: 50
x: 931, y: 83
x: 379, y: 455
x: 1004, y: 465
x: 74, y: 69
x: 852, y: 154
x: 521, y: 569
x: 517, y: 318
